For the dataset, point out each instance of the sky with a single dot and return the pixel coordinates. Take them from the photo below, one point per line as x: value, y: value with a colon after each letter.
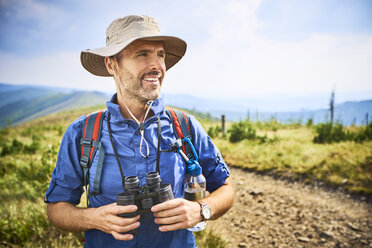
x: 245, y: 49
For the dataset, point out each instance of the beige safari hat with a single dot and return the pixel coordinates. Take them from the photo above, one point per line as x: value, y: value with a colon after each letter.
x: 124, y: 31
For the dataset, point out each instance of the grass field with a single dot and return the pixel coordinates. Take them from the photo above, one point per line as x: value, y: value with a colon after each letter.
x: 28, y: 157
x: 29, y: 152
x: 293, y: 153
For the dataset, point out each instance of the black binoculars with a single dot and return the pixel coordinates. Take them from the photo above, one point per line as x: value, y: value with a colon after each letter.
x: 144, y: 197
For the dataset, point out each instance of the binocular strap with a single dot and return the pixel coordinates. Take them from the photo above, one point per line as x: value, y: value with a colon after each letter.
x: 116, y: 153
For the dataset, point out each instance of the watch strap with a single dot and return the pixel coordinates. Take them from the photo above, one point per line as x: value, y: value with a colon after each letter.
x: 203, y: 205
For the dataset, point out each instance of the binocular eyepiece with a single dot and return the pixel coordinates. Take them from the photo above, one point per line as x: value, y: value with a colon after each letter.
x: 150, y: 194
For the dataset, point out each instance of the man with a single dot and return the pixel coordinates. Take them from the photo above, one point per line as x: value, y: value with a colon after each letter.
x: 137, y: 57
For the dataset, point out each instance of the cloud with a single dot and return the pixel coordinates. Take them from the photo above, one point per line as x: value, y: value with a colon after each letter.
x: 237, y: 60
x: 228, y: 53
x: 59, y: 69
x: 272, y: 68
x: 42, y: 12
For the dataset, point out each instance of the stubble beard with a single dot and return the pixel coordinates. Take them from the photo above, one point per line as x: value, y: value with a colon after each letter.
x: 131, y: 86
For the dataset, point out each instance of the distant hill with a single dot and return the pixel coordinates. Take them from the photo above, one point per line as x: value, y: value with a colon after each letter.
x: 21, y: 103
x: 347, y: 113
x: 239, y: 109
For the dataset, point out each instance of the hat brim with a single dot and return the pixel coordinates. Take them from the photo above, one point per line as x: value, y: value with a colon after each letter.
x: 94, y: 60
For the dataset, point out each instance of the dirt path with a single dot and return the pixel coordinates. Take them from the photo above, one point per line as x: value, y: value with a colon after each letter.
x: 278, y: 213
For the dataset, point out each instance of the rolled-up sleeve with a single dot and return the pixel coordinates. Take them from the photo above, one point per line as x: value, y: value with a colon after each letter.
x: 214, y: 167
x: 67, y: 178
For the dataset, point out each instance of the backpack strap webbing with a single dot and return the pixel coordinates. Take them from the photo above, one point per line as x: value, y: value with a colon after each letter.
x: 90, y: 142
x: 180, y: 122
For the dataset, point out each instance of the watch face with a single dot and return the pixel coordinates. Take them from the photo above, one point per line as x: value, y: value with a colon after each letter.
x: 206, y: 212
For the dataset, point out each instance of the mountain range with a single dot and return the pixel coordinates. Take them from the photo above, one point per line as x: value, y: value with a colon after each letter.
x: 21, y: 103
x: 347, y: 113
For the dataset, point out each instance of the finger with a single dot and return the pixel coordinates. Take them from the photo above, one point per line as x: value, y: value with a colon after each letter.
x: 170, y: 212
x: 173, y: 227
x: 167, y: 205
x: 119, y: 236
x: 169, y: 220
x: 121, y: 221
x: 124, y: 229
x: 118, y: 209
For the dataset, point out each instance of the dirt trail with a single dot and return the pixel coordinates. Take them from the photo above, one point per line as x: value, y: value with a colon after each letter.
x: 278, y: 213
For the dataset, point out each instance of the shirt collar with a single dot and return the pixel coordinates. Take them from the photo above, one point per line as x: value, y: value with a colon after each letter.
x: 114, y: 109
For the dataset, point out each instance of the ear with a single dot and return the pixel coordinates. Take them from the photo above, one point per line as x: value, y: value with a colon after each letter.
x: 109, y: 66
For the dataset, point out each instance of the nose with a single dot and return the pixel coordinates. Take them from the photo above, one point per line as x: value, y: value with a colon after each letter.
x: 157, y: 63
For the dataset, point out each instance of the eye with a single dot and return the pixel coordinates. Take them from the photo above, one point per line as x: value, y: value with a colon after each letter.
x: 161, y: 55
x: 142, y: 55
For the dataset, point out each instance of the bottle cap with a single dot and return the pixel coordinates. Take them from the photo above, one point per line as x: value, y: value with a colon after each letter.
x: 193, y: 168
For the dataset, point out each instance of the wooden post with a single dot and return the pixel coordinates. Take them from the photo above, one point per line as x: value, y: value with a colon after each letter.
x: 223, y: 124
x: 367, y: 119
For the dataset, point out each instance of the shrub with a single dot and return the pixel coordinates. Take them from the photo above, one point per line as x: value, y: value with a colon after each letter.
x: 207, y: 239
x: 14, y: 148
x: 213, y: 132
x: 271, y: 124
x: 17, y: 147
x: 242, y: 130
x: 329, y: 133
x: 6, y: 167
x: 310, y: 122
x: 363, y: 134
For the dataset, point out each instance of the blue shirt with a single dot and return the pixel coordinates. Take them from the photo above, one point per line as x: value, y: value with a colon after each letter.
x: 67, y: 179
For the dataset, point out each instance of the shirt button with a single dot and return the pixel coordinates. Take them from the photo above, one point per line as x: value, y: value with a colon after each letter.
x: 137, y: 132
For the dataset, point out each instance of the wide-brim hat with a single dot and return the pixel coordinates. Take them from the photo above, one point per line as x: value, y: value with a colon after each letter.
x: 122, y: 32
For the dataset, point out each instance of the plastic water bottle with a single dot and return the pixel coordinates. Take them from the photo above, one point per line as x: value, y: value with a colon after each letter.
x: 195, y: 189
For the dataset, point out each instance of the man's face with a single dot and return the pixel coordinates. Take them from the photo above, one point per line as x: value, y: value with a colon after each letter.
x: 140, y: 70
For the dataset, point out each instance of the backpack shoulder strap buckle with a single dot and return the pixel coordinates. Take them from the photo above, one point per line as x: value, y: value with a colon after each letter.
x: 90, y: 142
x: 86, y: 142
x: 181, y: 125
x: 84, y: 160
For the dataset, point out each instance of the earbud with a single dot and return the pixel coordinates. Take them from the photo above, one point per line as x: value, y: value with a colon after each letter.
x: 112, y: 67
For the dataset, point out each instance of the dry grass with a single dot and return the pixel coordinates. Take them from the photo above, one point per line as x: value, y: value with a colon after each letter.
x: 24, y: 178
x: 345, y: 163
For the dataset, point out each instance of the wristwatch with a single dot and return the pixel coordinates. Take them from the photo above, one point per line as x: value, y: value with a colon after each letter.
x: 205, y: 211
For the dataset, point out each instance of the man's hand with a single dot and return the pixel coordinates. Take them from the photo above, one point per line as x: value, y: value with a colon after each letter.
x: 106, y: 220
x: 68, y: 217
x: 176, y: 214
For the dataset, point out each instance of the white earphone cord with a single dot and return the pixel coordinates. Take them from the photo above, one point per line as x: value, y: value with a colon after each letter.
x: 142, y: 128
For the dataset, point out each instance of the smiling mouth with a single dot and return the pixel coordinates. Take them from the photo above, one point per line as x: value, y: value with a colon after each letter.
x: 152, y: 77
x: 151, y: 80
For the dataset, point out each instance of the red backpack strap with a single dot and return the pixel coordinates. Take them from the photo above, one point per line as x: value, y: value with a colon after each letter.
x: 91, y: 133
x: 90, y: 142
x: 180, y: 122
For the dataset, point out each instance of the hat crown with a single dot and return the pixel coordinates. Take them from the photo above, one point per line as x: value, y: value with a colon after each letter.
x: 128, y: 27
x: 121, y: 33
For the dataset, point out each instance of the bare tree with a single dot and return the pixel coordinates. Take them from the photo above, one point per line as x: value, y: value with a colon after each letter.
x: 332, y: 105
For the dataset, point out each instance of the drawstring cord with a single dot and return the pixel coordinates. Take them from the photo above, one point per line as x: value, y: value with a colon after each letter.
x: 142, y: 128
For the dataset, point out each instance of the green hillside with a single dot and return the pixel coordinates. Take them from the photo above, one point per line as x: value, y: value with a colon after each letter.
x: 28, y: 154
x: 25, y: 109
x: 14, y: 95
x: 20, y: 103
